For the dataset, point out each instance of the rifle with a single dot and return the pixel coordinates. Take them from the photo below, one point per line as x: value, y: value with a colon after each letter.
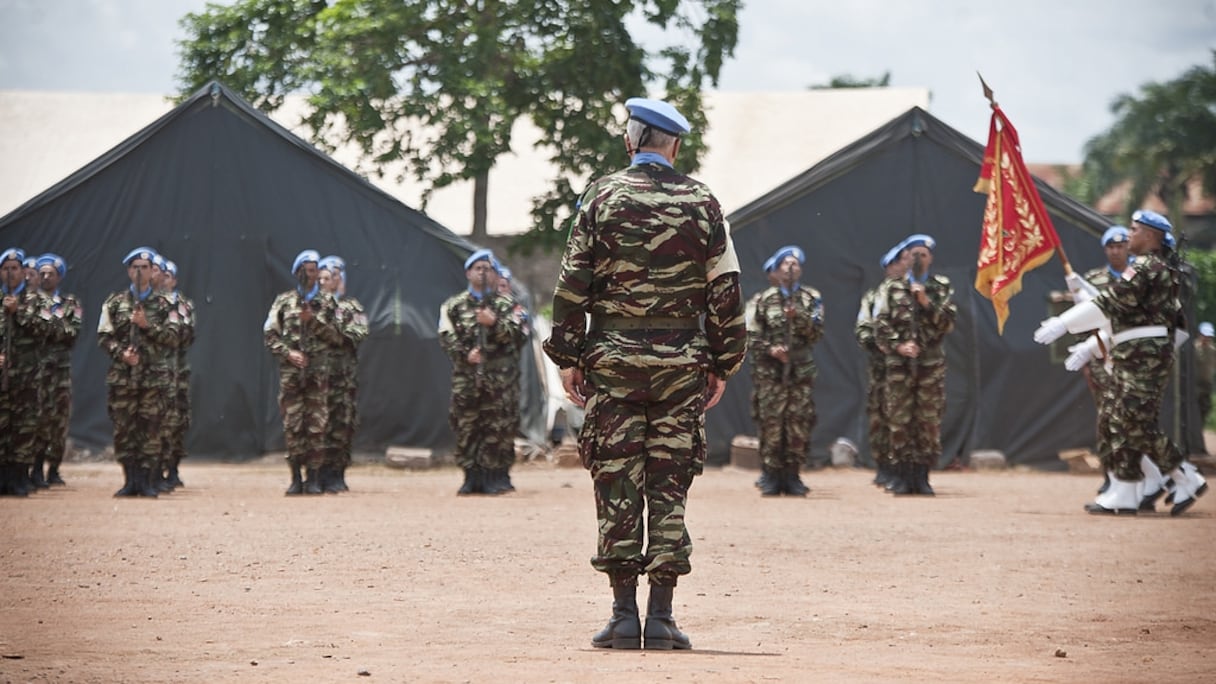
x: 302, y: 279
x: 918, y: 272
x: 787, y: 303
x: 481, y: 329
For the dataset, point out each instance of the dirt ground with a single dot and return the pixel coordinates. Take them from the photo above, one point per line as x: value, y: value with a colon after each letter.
x: 1001, y: 577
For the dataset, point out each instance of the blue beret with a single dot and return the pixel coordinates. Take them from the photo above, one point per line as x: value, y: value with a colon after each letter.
x: 1152, y: 219
x: 504, y: 272
x: 658, y: 114
x: 769, y: 264
x: 13, y: 253
x: 1207, y: 330
x: 305, y: 257
x: 55, y: 261
x: 479, y: 255
x: 139, y: 253
x: 333, y: 262
x: 1114, y: 234
x: 788, y: 250
x: 1168, y: 241
x: 170, y: 268
x: 918, y: 240
x: 891, y: 256
x: 158, y: 260
x: 30, y: 262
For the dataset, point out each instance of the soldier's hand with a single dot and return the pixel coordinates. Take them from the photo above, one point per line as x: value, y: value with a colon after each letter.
x: 1050, y: 330
x: 474, y: 356
x: 486, y: 317
x: 575, y: 385
x: 918, y: 290
x: 714, y: 387
x: 130, y: 357
x: 305, y: 312
x: 298, y: 359
x: 909, y: 349
x: 10, y: 303
x: 779, y: 352
x: 139, y: 318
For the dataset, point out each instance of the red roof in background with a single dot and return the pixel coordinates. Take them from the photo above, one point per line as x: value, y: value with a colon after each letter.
x: 1114, y: 203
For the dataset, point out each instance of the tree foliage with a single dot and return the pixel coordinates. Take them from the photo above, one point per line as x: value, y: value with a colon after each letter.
x: 1159, y: 141
x: 850, y: 81
x: 430, y: 89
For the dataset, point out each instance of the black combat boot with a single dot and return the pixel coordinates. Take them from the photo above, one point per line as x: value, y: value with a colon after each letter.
x: 173, y: 478
x: 297, y: 484
x: 921, y: 479
x: 312, y: 481
x: 472, y: 481
x: 36, y: 477
x: 661, y: 632
x: 882, y: 473
x: 144, y: 482
x: 493, y: 481
x: 771, y: 483
x: 53, y: 477
x: 10, y: 480
x: 793, y: 483
x: 901, y: 483
x: 128, y: 481
x: 156, y: 479
x: 328, y: 476
x: 506, y: 480
x: 624, y: 628
x: 340, y: 478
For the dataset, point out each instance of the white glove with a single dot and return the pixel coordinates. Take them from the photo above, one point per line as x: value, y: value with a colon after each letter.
x: 1082, y: 353
x: 1050, y: 330
x: 1081, y: 289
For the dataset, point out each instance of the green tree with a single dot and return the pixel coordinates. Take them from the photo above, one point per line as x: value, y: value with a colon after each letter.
x: 1159, y: 141
x: 430, y: 89
x: 850, y: 81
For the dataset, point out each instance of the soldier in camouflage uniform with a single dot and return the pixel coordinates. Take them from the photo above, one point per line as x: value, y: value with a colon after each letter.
x: 749, y: 318
x: 872, y: 306
x: 512, y: 400
x: 64, y: 315
x: 344, y: 376
x: 481, y: 336
x: 21, y: 332
x: 177, y: 423
x: 138, y: 333
x: 918, y: 314
x: 788, y: 322
x: 299, y: 330
x: 1205, y: 367
x: 1142, y: 310
x: 649, y: 256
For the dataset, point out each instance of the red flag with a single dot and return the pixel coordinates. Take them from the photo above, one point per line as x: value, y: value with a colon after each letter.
x: 1018, y: 235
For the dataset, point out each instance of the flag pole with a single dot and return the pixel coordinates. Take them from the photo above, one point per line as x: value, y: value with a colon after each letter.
x: 992, y: 103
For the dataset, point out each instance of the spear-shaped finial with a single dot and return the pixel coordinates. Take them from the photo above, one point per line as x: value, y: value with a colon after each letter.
x: 987, y: 90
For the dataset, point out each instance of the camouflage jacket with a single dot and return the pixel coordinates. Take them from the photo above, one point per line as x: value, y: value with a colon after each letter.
x: 459, y: 332
x: 873, y: 304
x: 23, y: 333
x: 352, y: 323
x: 183, y: 312
x: 771, y: 326
x: 648, y: 241
x: 64, y: 316
x: 1147, y: 295
x: 905, y: 321
x: 157, y: 344
x: 284, y: 332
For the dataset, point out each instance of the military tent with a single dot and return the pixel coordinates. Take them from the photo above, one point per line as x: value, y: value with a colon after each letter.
x: 232, y: 197
x: 915, y: 175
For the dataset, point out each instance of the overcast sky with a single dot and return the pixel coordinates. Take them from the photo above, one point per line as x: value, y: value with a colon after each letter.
x: 1055, y: 65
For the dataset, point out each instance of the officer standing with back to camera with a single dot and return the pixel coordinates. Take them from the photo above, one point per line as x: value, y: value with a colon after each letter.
x: 649, y: 256
x: 787, y: 323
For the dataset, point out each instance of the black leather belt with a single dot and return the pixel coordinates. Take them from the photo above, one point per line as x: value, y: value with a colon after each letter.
x: 644, y: 323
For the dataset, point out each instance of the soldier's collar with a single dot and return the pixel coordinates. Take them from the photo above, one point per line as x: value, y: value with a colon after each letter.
x: 141, y: 296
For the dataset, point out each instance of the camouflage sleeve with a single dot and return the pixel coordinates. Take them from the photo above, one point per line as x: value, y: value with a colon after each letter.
x: 449, y: 338
x: 725, y: 327
x: 938, y: 320
x: 759, y: 336
x: 1123, y: 297
x: 324, y: 325
x: 272, y: 329
x: 812, y: 325
x: 354, y: 320
x: 34, y: 314
x: 508, y: 329
x: 72, y: 321
x: 889, y: 323
x: 571, y: 296
x: 186, y: 314
x: 864, y: 328
x: 164, y: 326
x: 107, y: 330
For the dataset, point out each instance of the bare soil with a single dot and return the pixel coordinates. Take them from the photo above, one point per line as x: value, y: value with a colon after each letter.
x: 1001, y: 577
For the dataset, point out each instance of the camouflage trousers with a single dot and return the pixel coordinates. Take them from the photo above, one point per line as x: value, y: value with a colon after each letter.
x: 878, y: 432
x: 1099, y: 380
x: 53, y: 439
x: 304, y: 404
x: 177, y: 420
x: 137, y: 410
x: 343, y: 417
x: 20, y: 424
x: 914, y: 403
x: 1133, y: 408
x: 787, y: 416
x: 482, y: 419
x: 643, y: 449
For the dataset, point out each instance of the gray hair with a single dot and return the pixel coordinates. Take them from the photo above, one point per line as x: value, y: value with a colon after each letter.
x: 656, y: 140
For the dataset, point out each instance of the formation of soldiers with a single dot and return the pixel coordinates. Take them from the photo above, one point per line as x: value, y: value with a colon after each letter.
x: 314, y: 330
x: 38, y: 327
